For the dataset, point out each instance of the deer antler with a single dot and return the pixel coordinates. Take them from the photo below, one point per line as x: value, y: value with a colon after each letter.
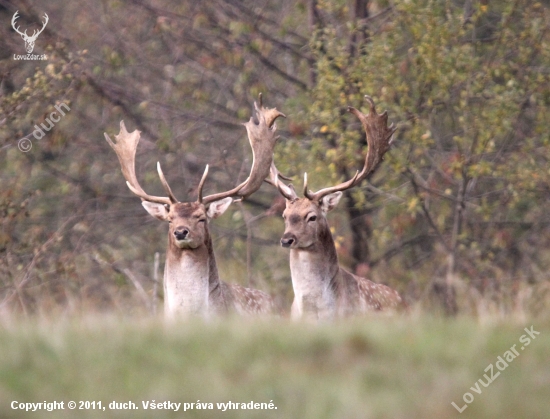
x: 215, y: 197
x: 125, y: 149
x: 35, y: 35
x: 24, y: 34
x: 286, y: 190
x: 16, y: 29
x: 379, y: 139
x: 262, y: 139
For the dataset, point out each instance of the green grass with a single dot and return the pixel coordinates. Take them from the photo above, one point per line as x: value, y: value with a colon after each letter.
x: 365, y: 368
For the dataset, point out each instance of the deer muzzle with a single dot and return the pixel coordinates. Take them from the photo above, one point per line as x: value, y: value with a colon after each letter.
x: 288, y: 240
x: 181, y: 233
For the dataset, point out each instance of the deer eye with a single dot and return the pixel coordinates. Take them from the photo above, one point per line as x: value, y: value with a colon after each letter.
x: 312, y: 218
x: 202, y: 220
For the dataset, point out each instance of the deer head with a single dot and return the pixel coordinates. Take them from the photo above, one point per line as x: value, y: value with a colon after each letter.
x: 191, y: 280
x: 305, y: 218
x: 29, y: 40
x: 262, y: 138
x: 187, y: 220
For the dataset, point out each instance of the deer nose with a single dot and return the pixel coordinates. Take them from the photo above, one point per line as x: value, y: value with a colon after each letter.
x: 287, y: 241
x: 181, y: 233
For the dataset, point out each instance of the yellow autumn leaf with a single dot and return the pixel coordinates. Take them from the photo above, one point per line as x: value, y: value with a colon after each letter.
x: 413, y: 204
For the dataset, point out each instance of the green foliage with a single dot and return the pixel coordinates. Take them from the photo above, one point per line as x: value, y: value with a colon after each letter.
x: 186, y: 76
x: 462, y: 196
x: 470, y: 163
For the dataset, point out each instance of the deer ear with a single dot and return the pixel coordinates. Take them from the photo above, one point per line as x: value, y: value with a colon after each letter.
x: 329, y: 202
x: 217, y: 208
x: 158, y: 211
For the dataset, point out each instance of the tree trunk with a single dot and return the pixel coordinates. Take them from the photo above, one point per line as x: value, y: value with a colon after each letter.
x: 314, y: 22
x: 361, y: 232
x: 359, y: 12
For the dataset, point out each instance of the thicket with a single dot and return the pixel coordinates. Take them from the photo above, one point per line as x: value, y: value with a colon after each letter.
x: 456, y: 217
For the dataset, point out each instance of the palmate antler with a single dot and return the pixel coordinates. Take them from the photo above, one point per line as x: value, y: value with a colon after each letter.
x: 379, y: 138
x: 125, y: 149
x: 262, y: 140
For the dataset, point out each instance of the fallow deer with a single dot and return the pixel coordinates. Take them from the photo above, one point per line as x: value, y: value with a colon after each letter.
x: 191, y: 282
x: 323, y: 289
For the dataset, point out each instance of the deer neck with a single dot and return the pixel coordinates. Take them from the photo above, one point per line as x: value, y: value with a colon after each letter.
x: 314, y: 271
x: 190, y: 276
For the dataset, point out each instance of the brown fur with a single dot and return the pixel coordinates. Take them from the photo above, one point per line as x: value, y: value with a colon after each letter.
x: 191, y: 280
x: 322, y: 288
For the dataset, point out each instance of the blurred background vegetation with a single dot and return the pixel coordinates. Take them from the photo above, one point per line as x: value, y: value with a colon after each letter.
x: 456, y: 218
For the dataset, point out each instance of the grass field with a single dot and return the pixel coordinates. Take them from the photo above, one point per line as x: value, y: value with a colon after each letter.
x: 410, y: 367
